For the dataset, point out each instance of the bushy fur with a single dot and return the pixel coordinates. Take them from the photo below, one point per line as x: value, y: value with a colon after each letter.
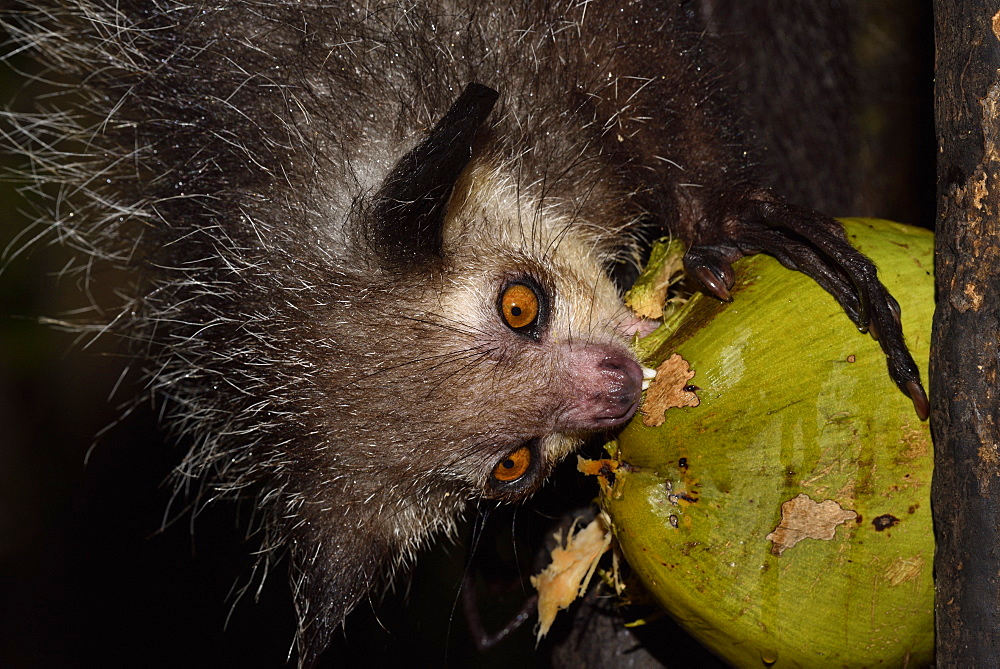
x: 228, y: 153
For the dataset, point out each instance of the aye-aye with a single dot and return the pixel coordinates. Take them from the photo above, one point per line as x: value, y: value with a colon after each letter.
x: 372, y: 242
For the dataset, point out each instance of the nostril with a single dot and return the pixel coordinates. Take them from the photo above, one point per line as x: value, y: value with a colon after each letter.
x: 622, y: 387
x: 625, y: 372
x: 616, y: 362
x: 606, y: 388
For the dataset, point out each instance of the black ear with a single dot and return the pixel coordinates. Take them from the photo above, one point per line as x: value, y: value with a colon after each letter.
x: 406, y: 220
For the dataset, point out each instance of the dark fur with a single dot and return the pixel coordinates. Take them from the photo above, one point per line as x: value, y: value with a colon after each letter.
x: 237, y: 156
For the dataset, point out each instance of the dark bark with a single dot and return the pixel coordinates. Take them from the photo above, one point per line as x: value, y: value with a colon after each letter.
x: 964, y: 364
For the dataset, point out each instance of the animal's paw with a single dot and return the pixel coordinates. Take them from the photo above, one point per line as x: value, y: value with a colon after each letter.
x: 814, y: 244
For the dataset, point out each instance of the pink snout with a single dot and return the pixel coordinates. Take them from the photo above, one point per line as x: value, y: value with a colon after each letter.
x: 606, y: 388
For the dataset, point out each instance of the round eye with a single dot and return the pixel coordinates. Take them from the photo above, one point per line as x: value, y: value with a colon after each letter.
x: 519, y: 306
x: 517, y: 474
x: 514, y: 466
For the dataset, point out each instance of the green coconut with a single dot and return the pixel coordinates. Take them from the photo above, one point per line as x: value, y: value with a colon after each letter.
x: 785, y: 520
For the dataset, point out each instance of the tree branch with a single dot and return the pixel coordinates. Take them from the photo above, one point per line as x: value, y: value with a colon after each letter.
x: 964, y: 358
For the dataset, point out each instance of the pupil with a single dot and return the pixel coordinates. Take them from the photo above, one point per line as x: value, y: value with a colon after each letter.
x: 508, y: 464
x: 516, y: 311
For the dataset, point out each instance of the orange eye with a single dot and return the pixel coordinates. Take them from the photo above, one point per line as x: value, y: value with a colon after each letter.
x: 513, y: 466
x: 519, y: 306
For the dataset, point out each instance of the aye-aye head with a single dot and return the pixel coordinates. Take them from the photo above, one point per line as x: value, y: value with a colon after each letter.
x: 482, y: 343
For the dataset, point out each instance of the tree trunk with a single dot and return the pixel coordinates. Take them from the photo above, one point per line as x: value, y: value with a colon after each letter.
x: 964, y: 359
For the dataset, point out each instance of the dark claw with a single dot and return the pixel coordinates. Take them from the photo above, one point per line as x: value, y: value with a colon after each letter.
x: 713, y: 283
x: 919, y: 397
x: 711, y: 265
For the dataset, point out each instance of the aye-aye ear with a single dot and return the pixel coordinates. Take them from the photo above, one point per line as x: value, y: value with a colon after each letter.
x: 407, y: 217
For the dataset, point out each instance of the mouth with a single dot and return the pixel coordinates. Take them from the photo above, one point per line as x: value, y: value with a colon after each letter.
x: 620, y: 410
